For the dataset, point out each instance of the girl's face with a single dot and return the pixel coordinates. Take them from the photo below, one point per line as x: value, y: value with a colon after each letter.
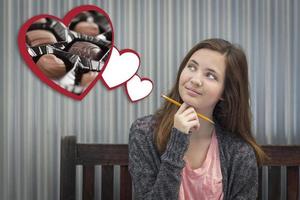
x: 201, y: 82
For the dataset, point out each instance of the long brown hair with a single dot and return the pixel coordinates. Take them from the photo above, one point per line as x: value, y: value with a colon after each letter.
x: 233, y: 113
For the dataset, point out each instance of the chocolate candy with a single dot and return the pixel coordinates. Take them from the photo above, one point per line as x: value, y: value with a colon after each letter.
x: 87, y: 28
x: 42, y: 20
x: 86, y: 49
x: 39, y: 37
x: 51, y: 66
x: 87, y: 78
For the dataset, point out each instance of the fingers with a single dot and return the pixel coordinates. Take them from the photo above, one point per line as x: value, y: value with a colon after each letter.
x: 189, y: 111
x: 182, y: 108
x: 194, y: 124
x: 186, y: 119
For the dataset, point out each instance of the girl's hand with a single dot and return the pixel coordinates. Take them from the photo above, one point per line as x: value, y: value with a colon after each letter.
x: 186, y: 119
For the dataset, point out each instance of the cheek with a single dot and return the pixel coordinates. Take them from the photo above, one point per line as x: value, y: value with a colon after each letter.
x: 217, y: 93
x: 184, y: 77
x: 182, y: 80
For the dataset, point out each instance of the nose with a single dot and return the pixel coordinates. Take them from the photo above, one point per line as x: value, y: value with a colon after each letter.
x: 196, y: 82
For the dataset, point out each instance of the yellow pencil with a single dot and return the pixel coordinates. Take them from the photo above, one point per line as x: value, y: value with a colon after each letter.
x: 179, y: 104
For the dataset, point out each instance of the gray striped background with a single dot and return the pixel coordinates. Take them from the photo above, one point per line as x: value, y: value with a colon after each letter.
x: 34, y: 117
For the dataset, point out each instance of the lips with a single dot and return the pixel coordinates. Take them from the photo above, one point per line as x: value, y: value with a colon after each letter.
x: 193, y: 91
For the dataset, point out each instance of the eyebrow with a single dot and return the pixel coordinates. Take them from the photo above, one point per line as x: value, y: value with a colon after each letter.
x: 194, y: 62
x: 209, y: 69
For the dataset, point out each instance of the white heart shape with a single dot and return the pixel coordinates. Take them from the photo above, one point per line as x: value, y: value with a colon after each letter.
x: 120, y: 67
x: 138, y: 88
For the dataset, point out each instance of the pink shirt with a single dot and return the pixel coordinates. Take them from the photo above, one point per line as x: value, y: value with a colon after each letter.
x: 205, y: 182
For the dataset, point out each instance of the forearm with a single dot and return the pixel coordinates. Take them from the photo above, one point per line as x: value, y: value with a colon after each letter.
x: 162, y: 183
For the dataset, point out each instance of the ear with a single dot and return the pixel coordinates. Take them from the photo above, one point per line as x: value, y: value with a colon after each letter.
x: 221, y: 99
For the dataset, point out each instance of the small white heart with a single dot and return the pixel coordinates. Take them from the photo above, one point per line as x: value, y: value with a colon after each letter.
x: 138, y: 88
x: 120, y: 67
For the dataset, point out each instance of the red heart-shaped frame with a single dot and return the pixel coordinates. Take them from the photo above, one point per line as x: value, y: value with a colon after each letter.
x: 66, y: 20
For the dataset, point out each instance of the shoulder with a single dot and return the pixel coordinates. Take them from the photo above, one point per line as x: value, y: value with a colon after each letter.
x: 141, y: 138
x: 145, y: 123
x: 235, y: 147
x: 143, y: 127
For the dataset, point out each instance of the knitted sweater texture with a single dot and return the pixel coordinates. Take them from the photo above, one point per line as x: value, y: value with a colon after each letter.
x: 158, y: 177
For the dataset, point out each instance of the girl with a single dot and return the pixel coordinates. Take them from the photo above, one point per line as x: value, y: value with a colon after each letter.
x: 173, y: 154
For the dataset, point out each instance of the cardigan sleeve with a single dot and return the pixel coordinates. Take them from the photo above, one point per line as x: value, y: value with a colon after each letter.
x: 244, y: 174
x: 150, y: 181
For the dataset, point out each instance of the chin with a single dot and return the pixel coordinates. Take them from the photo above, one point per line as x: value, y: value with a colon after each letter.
x: 190, y: 100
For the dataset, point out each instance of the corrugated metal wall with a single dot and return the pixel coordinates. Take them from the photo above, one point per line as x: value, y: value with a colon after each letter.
x: 34, y: 117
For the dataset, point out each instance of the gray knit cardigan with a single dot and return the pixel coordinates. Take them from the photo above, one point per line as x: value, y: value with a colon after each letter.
x: 158, y: 176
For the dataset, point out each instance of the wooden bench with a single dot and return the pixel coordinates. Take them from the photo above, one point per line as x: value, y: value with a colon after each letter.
x: 90, y: 155
x: 109, y: 155
x: 284, y: 162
